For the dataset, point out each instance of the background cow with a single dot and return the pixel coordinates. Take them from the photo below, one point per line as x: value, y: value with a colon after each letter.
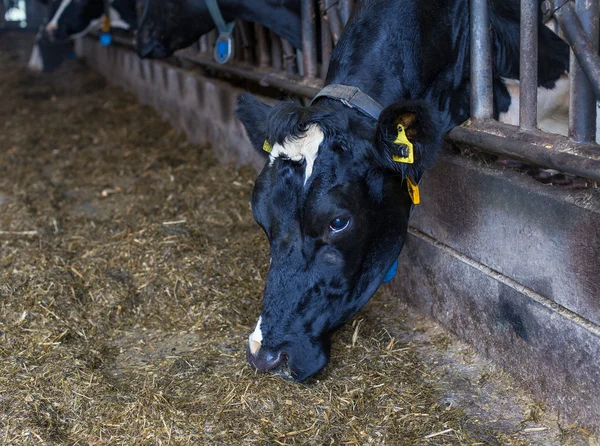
x: 331, y: 199
x: 69, y: 19
x: 168, y: 25
x: 75, y: 18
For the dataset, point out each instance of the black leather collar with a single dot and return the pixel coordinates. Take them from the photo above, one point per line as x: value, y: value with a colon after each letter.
x: 352, y: 97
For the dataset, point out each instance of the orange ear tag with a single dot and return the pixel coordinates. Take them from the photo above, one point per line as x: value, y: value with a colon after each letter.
x: 267, y: 147
x: 413, y: 191
x: 402, y: 139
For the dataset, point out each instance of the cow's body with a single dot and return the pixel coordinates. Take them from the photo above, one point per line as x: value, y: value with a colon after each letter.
x: 331, y: 199
x: 168, y: 25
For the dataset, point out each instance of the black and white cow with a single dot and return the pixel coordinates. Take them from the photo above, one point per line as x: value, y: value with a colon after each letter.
x: 75, y: 18
x: 331, y: 198
x: 69, y: 19
x: 168, y: 25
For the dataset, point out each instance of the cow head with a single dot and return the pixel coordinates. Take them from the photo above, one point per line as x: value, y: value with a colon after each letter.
x: 72, y: 17
x: 334, y: 206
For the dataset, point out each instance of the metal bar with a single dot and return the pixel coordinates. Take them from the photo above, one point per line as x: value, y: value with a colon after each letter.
x: 309, y: 38
x: 238, y: 42
x: 204, y: 44
x: 346, y: 7
x: 264, y: 59
x: 247, y: 32
x: 246, y: 72
x: 531, y: 147
x: 579, y: 24
x: 276, y: 54
x: 289, y: 56
x: 528, y: 75
x: 211, y: 39
x: 482, y: 106
x: 326, y: 43
x: 335, y: 23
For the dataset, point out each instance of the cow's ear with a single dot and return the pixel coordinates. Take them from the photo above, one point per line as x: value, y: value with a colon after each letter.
x: 408, y: 137
x: 253, y: 115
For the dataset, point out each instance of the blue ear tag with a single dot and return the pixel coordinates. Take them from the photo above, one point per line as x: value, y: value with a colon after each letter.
x: 391, y: 272
x: 224, y: 48
x: 105, y: 39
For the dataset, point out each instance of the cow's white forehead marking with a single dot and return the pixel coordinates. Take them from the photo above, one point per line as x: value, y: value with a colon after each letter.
x: 53, y: 24
x: 255, y: 338
x: 303, y: 147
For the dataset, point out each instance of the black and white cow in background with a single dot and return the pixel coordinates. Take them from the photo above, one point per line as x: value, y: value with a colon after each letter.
x: 331, y: 199
x: 165, y: 26
x: 75, y: 18
x: 69, y: 19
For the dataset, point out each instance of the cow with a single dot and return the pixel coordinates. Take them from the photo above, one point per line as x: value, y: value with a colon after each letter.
x: 75, y: 18
x: 165, y: 26
x: 69, y: 19
x: 341, y: 175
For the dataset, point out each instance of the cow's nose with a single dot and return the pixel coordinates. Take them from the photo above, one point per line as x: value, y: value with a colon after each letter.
x: 266, y: 360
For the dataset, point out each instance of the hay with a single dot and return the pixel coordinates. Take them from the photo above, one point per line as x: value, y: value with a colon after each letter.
x: 131, y: 273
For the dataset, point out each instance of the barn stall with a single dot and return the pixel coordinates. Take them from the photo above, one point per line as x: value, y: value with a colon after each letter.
x: 132, y: 272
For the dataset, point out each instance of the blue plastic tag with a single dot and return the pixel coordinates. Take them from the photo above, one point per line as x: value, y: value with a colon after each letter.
x: 391, y: 272
x: 224, y: 49
x: 105, y: 39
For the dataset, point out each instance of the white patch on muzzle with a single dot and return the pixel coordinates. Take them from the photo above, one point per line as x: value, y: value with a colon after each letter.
x: 255, y: 339
x: 303, y: 147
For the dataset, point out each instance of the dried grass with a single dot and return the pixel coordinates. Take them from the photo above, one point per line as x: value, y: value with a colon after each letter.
x: 131, y: 272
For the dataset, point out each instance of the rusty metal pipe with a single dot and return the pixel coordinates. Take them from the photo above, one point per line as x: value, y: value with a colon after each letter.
x: 333, y: 17
x: 579, y: 24
x: 346, y: 7
x: 482, y: 106
x: 289, y: 56
x: 264, y: 59
x: 276, y: 53
x: 528, y: 75
x: 326, y: 43
x: 309, y: 38
x: 532, y: 147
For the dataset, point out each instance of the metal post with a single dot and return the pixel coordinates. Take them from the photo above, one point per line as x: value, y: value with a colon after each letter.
x: 289, y: 56
x: 204, y: 44
x: 482, y: 105
x: 326, y: 43
x: 346, y: 7
x: 263, y: 46
x: 276, y: 55
x: 528, y: 75
x: 247, y: 32
x: 582, y: 102
x: 309, y: 38
x: 333, y: 17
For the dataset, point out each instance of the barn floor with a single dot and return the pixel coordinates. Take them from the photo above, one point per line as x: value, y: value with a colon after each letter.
x: 131, y: 273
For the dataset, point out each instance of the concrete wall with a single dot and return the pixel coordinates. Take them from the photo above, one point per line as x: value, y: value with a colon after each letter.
x: 507, y: 264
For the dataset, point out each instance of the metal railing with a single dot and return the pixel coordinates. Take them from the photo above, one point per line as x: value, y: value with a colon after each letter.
x: 578, y: 154
x: 265, y: 58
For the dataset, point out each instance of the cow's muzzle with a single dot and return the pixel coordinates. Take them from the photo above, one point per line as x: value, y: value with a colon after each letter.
x: 267, y: 360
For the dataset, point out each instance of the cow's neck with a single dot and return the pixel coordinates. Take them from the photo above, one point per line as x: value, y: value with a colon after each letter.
x: 279, y: 19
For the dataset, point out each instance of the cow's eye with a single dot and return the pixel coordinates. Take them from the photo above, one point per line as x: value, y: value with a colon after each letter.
x: 339, y: 224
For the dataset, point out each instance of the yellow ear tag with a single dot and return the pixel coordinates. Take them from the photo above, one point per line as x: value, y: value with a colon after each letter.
x: 105, y: 24
x: 267, y: 147
x: 402, y: 139
x: 413, y: 191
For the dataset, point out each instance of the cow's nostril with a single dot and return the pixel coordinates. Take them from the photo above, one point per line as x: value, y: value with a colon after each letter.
x: 266, y: 360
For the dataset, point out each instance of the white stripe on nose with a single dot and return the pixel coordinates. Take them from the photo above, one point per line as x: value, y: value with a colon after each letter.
x: 255, y: 338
